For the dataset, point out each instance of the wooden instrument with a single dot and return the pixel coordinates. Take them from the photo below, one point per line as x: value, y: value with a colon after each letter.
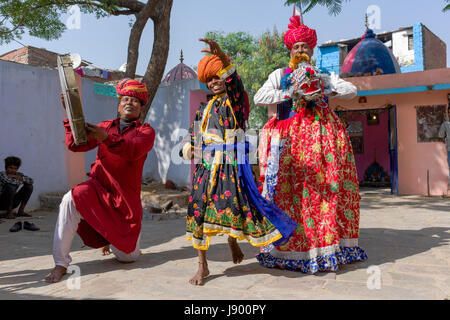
x: 72, y: 99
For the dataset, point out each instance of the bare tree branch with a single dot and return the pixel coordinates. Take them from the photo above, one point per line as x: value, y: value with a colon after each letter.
x: 122, y: 12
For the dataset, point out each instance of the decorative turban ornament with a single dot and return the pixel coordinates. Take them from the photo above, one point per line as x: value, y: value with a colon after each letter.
x: 208, y: 67
x: 132, y: 88
x: 298, y: 32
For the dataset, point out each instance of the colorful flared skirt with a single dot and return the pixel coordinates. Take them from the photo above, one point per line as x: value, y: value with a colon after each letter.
x: 308, y: 170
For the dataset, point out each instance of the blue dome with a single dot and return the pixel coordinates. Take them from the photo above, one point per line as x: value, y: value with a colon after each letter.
x: 370, y: 55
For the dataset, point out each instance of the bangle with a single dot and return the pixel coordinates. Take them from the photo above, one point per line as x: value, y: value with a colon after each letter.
x: 226, y: 72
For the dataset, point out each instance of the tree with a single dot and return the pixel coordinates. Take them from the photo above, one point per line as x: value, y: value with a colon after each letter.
x: 255, y: 59
x: 334, y: 6
x: 41, y: 18
x: 447, y: 7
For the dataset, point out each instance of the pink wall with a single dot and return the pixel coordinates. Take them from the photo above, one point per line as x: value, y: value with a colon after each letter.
x: 414, y: 159
x: 409, y: 79
x: 376, y: 139
x: 196, y: 97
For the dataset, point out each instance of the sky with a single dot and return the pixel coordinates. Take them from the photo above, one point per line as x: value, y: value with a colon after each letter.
x: 104, y: 42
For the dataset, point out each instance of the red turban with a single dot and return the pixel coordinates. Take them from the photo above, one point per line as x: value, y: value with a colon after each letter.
x: 132, y: 88
x: 208, y: 67
x: 298, y: 32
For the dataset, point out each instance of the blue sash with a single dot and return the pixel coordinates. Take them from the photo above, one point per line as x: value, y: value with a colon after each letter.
x: 284, y: 110
x: 284, y: 224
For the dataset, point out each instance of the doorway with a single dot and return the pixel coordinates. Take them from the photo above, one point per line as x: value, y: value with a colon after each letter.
x: 373, y: 134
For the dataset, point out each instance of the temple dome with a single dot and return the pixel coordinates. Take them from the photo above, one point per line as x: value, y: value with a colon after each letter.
x: 179, y: 72
x: 369, y: 56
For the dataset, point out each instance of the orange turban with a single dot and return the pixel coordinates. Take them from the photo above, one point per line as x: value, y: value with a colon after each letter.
x: 208, y: 67
x: 132, y: 88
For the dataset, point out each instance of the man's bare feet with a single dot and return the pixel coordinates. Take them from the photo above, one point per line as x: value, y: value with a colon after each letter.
x: 236, y: 252
x: 10, y: 215
x: 56, y: 274
x: 23, y: 214
x: 106, y: 251
x: 201, y: 274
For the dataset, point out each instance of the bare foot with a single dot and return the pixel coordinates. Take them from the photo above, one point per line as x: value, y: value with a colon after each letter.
x: 23, y: 214
x: 201, y: 274
x: 106, y: 251
x: 56, y: 274
x: 236, y: 252
x: 10, y: 215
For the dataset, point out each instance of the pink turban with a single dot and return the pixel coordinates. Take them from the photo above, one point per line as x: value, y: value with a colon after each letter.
x: 298, y: 32
x: 132, y: 88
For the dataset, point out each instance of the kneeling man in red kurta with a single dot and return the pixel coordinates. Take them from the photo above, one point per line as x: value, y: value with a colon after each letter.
x: 106, y: 209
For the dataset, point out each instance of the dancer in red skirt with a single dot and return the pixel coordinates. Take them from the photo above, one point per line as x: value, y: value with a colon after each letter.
x: 307, y: 164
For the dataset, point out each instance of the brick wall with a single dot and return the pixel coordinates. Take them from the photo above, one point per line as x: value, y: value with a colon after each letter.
x: 435, y: 50
x: 42, y: 57
x: 32, y: 56
x: 19, y: 56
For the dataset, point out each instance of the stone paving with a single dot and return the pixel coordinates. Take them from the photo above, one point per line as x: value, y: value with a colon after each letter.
x: 407, y: 240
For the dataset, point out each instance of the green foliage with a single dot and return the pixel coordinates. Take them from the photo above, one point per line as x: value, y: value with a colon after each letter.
x: 255, y: 58
x: 41, y: 18
x: 334, y: 6
x: 447, y: 7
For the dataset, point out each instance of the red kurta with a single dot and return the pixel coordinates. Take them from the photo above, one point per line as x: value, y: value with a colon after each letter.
x: 110, y: 201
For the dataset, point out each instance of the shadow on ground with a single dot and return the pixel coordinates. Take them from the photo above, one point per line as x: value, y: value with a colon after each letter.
x: 26, y: 244
x: 381, y: 245
x: 375, y: 198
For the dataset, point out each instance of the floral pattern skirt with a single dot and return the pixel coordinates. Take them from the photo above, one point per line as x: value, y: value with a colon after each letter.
x: 218, y: 205
x: 309, y: 172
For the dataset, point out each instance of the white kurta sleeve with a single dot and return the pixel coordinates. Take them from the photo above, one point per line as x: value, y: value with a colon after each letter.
x: 271, y: 93
x: 342, y: 89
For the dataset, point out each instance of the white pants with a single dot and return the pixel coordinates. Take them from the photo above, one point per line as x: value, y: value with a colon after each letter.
x: 65, y: 230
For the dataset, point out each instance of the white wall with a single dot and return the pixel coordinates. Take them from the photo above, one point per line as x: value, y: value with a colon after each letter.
x: 169, y: 116
x: 96, y: 108
x: 400, y: 48
x: 31, y: 127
